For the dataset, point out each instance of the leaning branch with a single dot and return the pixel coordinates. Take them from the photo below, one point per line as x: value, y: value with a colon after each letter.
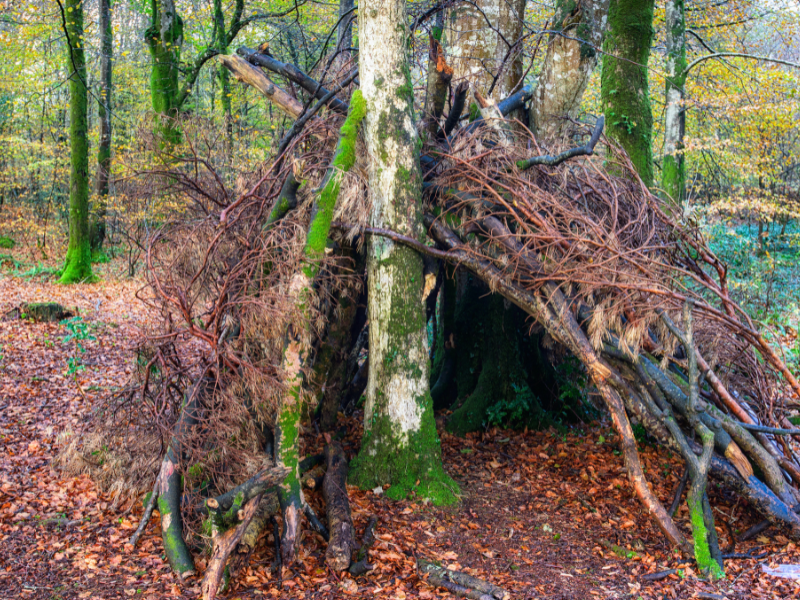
x: 552, y: 161
x: 247, y: 73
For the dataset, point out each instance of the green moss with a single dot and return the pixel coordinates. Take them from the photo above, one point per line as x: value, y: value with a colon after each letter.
x: 413, y: 468
x: 702, y: 554
x: 343, y: 161
x: 6, y: 242
x: 78, y: 262
x: 172, y: 538
x: 624, y: 81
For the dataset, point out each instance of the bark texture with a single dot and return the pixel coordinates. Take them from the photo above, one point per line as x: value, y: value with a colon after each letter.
x: 624, y: 82
x: 298, y: 349
x: 400, y: 446
x: 571, y: 58
x: 483, y: 41
x: 342, y: 542
x: 673, y: 172
x: 164, y: 38
x: 78, y: 263
x: 98, y: 226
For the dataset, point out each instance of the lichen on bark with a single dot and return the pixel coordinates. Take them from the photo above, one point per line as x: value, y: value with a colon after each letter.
x: 400, y: 445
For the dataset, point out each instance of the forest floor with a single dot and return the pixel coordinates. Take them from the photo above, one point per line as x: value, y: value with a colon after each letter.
x: 544, y: 514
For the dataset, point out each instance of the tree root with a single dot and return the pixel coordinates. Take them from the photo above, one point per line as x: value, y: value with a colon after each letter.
x: 360, y: 564
x: 334, y: 489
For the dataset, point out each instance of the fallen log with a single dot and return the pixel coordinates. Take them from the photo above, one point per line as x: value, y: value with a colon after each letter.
x: 224, y: 544
x: 460, y: 583
x: 249, y: 74
x: 340, y: 523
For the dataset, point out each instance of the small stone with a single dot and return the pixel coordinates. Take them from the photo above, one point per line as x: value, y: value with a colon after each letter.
x: 378, y: 491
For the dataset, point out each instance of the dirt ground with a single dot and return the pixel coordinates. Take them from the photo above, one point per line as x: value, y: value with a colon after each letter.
x: 546, y: 515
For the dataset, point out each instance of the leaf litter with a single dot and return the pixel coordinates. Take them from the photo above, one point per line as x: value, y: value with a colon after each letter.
x: 543, y: 514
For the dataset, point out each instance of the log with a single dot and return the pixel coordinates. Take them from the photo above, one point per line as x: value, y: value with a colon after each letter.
x: 228, y: 504
x: 340, y: 522
x: 247, y: 73
x: 224, y: 544
x: 294, y: 74
x: 360, y: 564
x: 465, y: 585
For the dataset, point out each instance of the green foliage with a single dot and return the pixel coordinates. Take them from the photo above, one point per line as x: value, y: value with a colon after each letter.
x: 764, y: 276
x: 516, y: 411
x: 6, y: 242
x: 77, y: 331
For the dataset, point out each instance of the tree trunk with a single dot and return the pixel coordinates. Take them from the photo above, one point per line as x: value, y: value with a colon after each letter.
x: 624, y: 81
x: 98, y: 227
x: 569, y: 63
x: 478, y: 53
x: 78, y: 263
x: 400, y: 445
x: 673, y: 172
x: 224, y: 77
x: 164, y: 38
x: 344, y: 33
x: 298, y: 350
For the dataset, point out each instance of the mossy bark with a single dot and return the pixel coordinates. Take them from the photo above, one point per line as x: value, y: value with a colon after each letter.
x: 98, y: 224
x: 478, y: 53
x: 624, y: 81
x: 224, y: 76
x: 400, y: 445
x: 78, y: 262
x: 298, y: 349
x: 500, y: 371
x: 164, y: 38
x: 673, y: 171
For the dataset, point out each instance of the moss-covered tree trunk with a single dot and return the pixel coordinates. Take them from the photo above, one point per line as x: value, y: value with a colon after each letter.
x: 400, y: 445
x: 98, y: 225
x: 224, y: 76
x: 501, y: 375
x: 78, y: 263
x: 164, y: 38
x: 298, y: 347
x: 624, y: 82
x: 571, y: 58
x: 673, y: 173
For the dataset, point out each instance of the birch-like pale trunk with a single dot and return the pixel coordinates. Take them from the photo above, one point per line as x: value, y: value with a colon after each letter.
x: 571, y: 57
x: 400, y: 445
x: 673, y: 173
x: 481, y: 42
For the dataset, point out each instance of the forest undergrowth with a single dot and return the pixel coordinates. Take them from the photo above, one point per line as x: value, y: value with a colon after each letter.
x: 544, y: 514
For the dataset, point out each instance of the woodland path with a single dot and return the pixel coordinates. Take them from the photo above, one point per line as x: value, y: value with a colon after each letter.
x: 542, y: 522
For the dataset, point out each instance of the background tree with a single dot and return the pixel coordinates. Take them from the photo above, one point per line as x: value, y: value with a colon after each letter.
x: 625, y: 87
x: 98, y: 225
x: 78, y: 262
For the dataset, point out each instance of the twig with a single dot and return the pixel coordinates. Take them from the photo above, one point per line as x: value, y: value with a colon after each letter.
x: 679, y: 492
x: 148, y: 511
